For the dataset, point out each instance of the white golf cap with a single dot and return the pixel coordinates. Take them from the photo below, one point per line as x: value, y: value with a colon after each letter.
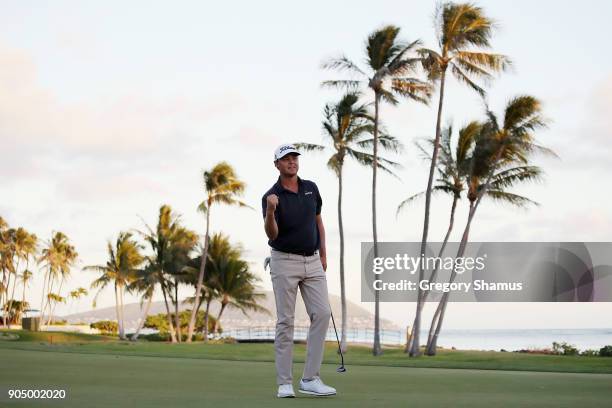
x: 283, y: 150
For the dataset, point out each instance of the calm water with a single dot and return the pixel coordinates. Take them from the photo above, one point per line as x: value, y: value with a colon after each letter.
x: 524, y: 339
x: 510, y: 340
x: 494, y: 339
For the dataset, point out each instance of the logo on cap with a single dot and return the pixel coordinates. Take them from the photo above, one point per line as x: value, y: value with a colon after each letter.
x: 284, y: 150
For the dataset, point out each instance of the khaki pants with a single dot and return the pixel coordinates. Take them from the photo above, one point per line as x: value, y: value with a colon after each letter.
x: 289, y: 272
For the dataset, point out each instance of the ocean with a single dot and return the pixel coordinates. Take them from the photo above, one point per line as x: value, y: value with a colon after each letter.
x: 463, y: 339
x: 517, y: 339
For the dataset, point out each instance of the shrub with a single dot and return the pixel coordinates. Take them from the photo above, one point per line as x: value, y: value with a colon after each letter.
x: 606, y: 351
x: 59, y: 322
x: 565, y: 349
x: 8, y: 336
x: 196, y: 337
x: 589, y: 353
x: 106, y: 327
x: 160, y: 321
x: 155, y: 337
x: 223, y: 340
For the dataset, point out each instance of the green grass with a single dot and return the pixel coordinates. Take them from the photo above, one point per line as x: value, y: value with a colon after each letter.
x: 392, y: 357
x: 122, y: 380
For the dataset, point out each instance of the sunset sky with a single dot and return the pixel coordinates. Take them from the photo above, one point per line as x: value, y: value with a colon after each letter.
x: 110, y: 109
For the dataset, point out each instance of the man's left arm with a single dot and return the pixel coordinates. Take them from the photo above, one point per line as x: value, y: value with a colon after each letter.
x: 322, y: 248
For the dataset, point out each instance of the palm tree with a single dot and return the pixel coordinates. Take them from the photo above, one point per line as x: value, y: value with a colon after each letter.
x: 181, y: 242
x: 460, y: 28
x: 388, y: 64
x: 76, y: 295
x: 222, y: 186
x: 26, y: 276
x: 11, y: 266
x: 13, y: 314
x: 7, y: 255
x: 184, y: 242
x: 498, y: 149
x: 171, y: 244
x: 236, y: 287
x: 24, y: 246
x: 54, y: 299
x: 451, y: 172
x: 123, y: 260
x: 348, y: 127
x: 3, y: 255
x: 145, y: 281
x: 59, y: 256
x: 219, y: 247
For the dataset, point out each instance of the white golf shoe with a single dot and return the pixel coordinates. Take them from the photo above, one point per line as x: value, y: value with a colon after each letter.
x: 316, y: 387
x: 285, y: 391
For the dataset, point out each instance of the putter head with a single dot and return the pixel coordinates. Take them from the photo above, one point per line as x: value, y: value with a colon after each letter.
x: 266, y: 263
x: 341, y: 369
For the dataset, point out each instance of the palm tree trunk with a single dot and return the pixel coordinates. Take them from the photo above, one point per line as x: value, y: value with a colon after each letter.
x: 194, y: 312
x: 42, y: 300
x: 10, y: 301
x: 168, y: 317
x: 143, y: 319
x: 23, y: 293
x: 7, y: 287
x: 59, y: 291
x: 208, y: 301
x: 430, y: 346
x: 121, y: 298
x: 461, y: 251
x: 177, y: 320
x: 200, y: 304
x: 342, y: 286
x: 118, y: 312
x: 24, y: 279
x: 376, y: 349
x: 434, y: 272
x: 223, y: 305
x: 415, y: 349
x: 444, y: 301
x: 49, y: 304
x: 2, y: 290
x: 433, y: 330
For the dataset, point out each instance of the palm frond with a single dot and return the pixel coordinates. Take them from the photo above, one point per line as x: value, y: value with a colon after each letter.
x: 510, y: 198
x: 308, y: 147
x: 367, y: 159
x: 342, y: 63
x: 412, y: 88
x: 349, y: 85
x: 388, y: 97
x: 462, y: 77
x: 485, y: 60
x: 406, y: 202
x: 387, y: 142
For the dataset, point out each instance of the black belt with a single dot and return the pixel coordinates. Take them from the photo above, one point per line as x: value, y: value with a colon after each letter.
x: 303, y: 253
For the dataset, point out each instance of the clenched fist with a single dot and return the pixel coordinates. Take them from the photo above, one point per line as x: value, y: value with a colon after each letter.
x: 272, y: 202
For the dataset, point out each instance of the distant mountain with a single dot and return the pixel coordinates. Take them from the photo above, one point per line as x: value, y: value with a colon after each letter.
x: 232, y: 318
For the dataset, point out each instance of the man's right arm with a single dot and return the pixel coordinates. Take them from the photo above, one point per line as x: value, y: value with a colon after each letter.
x: 270, y: 222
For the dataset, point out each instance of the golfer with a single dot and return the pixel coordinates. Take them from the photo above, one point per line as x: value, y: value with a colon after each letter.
x: 292, y: 214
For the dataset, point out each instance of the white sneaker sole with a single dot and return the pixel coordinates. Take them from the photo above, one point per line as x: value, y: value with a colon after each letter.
x: 285, y: 395
x: 317, y: 393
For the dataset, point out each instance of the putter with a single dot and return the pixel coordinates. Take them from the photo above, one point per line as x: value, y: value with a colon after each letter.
x: 340, y: 369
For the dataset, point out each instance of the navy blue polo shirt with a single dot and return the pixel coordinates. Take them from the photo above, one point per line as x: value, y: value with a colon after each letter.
x: 295, y: 217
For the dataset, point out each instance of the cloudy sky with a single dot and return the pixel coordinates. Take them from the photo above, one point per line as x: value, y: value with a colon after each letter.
x: 110, y: 109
